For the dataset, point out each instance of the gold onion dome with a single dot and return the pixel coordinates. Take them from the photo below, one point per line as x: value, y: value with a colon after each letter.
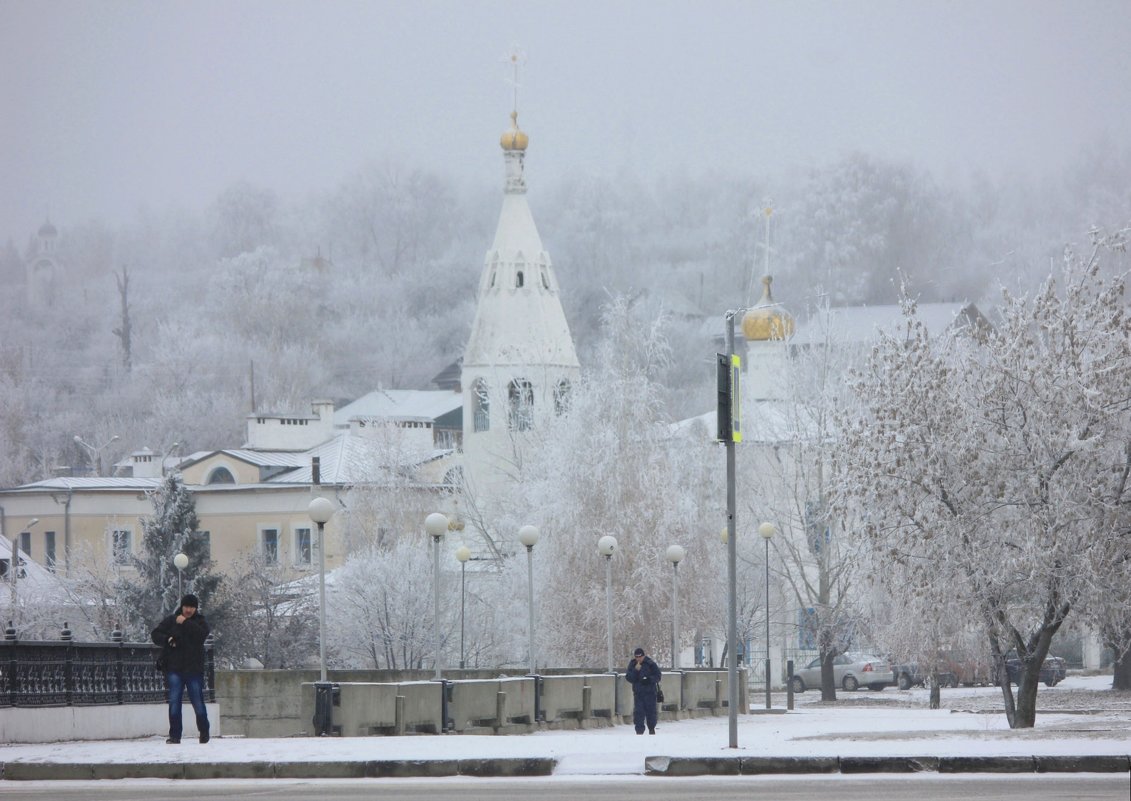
x: 767, y: 321
x: 513, y: 138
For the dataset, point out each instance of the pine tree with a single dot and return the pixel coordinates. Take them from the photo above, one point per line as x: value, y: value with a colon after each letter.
x: 172, y: 529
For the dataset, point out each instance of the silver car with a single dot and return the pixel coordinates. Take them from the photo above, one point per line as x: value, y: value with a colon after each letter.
x: 850, y: 671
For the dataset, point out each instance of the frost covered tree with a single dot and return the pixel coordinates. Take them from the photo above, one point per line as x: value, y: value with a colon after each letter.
x: 610, y: 464
x: 265, y: 623
x: 382, y: 607
x: 994, y: 462
x: 153, y: 592
x: 784, y: 477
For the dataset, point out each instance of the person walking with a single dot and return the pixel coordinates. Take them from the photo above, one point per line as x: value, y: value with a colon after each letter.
x: 644, y: 675
x: 181, y: 636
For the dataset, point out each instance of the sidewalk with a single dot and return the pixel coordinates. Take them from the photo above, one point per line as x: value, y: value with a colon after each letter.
x: 1086, y: 728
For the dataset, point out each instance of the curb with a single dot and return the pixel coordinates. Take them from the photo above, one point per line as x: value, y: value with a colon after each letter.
x: 500, y: 768
x: 373, y: 769
x: 753, y: 766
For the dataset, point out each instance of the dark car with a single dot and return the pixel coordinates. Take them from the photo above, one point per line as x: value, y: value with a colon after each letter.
x: 1053, y: 670
x: 910, y: 674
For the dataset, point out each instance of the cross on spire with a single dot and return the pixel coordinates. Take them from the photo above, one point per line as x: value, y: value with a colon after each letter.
x: 516, y: 58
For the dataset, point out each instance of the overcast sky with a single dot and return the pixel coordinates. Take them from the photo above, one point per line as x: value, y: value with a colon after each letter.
x: 107, y: 108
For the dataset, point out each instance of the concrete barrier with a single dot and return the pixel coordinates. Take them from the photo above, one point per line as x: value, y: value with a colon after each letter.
x: 111, y: 722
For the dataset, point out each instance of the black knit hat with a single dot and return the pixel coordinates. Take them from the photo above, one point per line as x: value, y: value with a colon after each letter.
x: 638, y: 652
x: 191, y: 600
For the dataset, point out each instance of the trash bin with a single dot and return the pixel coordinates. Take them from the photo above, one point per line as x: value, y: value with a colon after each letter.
x: 327, y: 695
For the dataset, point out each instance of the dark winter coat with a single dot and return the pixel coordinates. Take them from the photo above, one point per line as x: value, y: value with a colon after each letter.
x: 646, y: 680
x: 183, y: 642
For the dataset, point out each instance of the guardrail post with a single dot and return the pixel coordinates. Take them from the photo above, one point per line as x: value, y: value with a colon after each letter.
x: 500, y: 709
x: 398, y: 719
x: 789, y: 685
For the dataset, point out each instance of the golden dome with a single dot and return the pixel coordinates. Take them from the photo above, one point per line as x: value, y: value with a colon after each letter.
x: 514, y: 139
x: 767, y: 321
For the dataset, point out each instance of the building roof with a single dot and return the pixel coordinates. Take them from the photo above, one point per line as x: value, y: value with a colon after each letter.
x: 400, y: 404
x: 850, y: 324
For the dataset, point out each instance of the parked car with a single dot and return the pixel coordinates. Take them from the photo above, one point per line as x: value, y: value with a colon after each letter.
x: 1053, y: 670
x: 850, y: 671
x: 952, y: 668
x: 910, y: 674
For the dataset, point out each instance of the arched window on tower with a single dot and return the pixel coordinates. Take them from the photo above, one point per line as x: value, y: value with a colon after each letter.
x: 520, y: 409
x: 480, y: 406
x: 545, y: 279
x: 518, y: 280
x: 561, y: 397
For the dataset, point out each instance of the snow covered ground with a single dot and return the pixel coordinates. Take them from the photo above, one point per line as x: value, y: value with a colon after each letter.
x: 1089, y: 719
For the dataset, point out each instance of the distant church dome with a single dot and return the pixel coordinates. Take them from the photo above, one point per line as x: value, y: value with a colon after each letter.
x: 513, y: 138
x: 767, y: 321
x: 47, y: 229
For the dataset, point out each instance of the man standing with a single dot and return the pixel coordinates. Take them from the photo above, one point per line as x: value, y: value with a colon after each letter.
x: 181, y: 636
x: 644, y: 675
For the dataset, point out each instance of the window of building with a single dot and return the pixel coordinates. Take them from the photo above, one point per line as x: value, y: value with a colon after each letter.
x: 520, y: 411
x: 269, y: 537
x: 303, y: 550
x: 121, y: 545
x: 221, y: 475
x: 545, y: 278
x: 480, y: 406
x: 25, y: 542
x: 49, y: 550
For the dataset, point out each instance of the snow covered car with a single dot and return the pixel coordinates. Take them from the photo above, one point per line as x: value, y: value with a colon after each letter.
x: 850, y: 672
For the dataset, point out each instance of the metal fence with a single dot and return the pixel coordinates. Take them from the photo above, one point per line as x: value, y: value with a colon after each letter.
x: 66, y: 673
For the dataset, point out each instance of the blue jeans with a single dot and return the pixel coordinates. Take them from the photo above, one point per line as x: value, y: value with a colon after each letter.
x: 178, y: 683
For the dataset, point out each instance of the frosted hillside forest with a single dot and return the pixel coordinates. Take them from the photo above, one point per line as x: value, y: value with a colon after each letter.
x: 163, y: 325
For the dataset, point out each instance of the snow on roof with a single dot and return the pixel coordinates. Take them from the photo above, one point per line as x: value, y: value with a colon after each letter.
x: 65, y: 483
x: 36, y: 578
x: 847, y: 324
x: 428, y: 404
x: 353, y: 458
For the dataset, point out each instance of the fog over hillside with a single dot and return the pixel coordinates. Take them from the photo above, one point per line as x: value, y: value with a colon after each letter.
x: 310, y: 188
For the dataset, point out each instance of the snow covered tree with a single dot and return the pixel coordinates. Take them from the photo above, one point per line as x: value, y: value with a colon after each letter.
x: 610, y: 464
x: 172, y: 529
x: 784, y: 477
x: 263, y: 621
x: 994, y: 462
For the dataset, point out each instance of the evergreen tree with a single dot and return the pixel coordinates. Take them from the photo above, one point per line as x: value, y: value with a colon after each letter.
x: 172, y: 529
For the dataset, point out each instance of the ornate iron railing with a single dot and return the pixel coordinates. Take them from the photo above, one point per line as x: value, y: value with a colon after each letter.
x: 63, y: 673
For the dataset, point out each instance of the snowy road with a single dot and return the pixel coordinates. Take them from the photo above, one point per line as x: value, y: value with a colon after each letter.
x: 1079, y: 787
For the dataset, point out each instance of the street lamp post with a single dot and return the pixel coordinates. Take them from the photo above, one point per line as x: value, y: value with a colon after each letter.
x: 463, y: 553
x: 180, y: 561
x: 606, y: 546
x: 96, y: 453
x: 436, y: 525
x: 766, y: 530
x: 675, y: 554
x: 528, y: 536
x: 320, y: 511
x: 732, y: 561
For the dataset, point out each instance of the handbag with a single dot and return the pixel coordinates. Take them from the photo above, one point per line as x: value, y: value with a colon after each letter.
x: 660, y: 694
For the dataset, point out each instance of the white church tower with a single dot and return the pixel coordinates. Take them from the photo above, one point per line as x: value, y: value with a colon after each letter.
x: 520, y: 365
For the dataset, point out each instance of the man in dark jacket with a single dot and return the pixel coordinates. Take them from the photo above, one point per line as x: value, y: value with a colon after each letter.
x: 181, y: 636
x: 644, y: 675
